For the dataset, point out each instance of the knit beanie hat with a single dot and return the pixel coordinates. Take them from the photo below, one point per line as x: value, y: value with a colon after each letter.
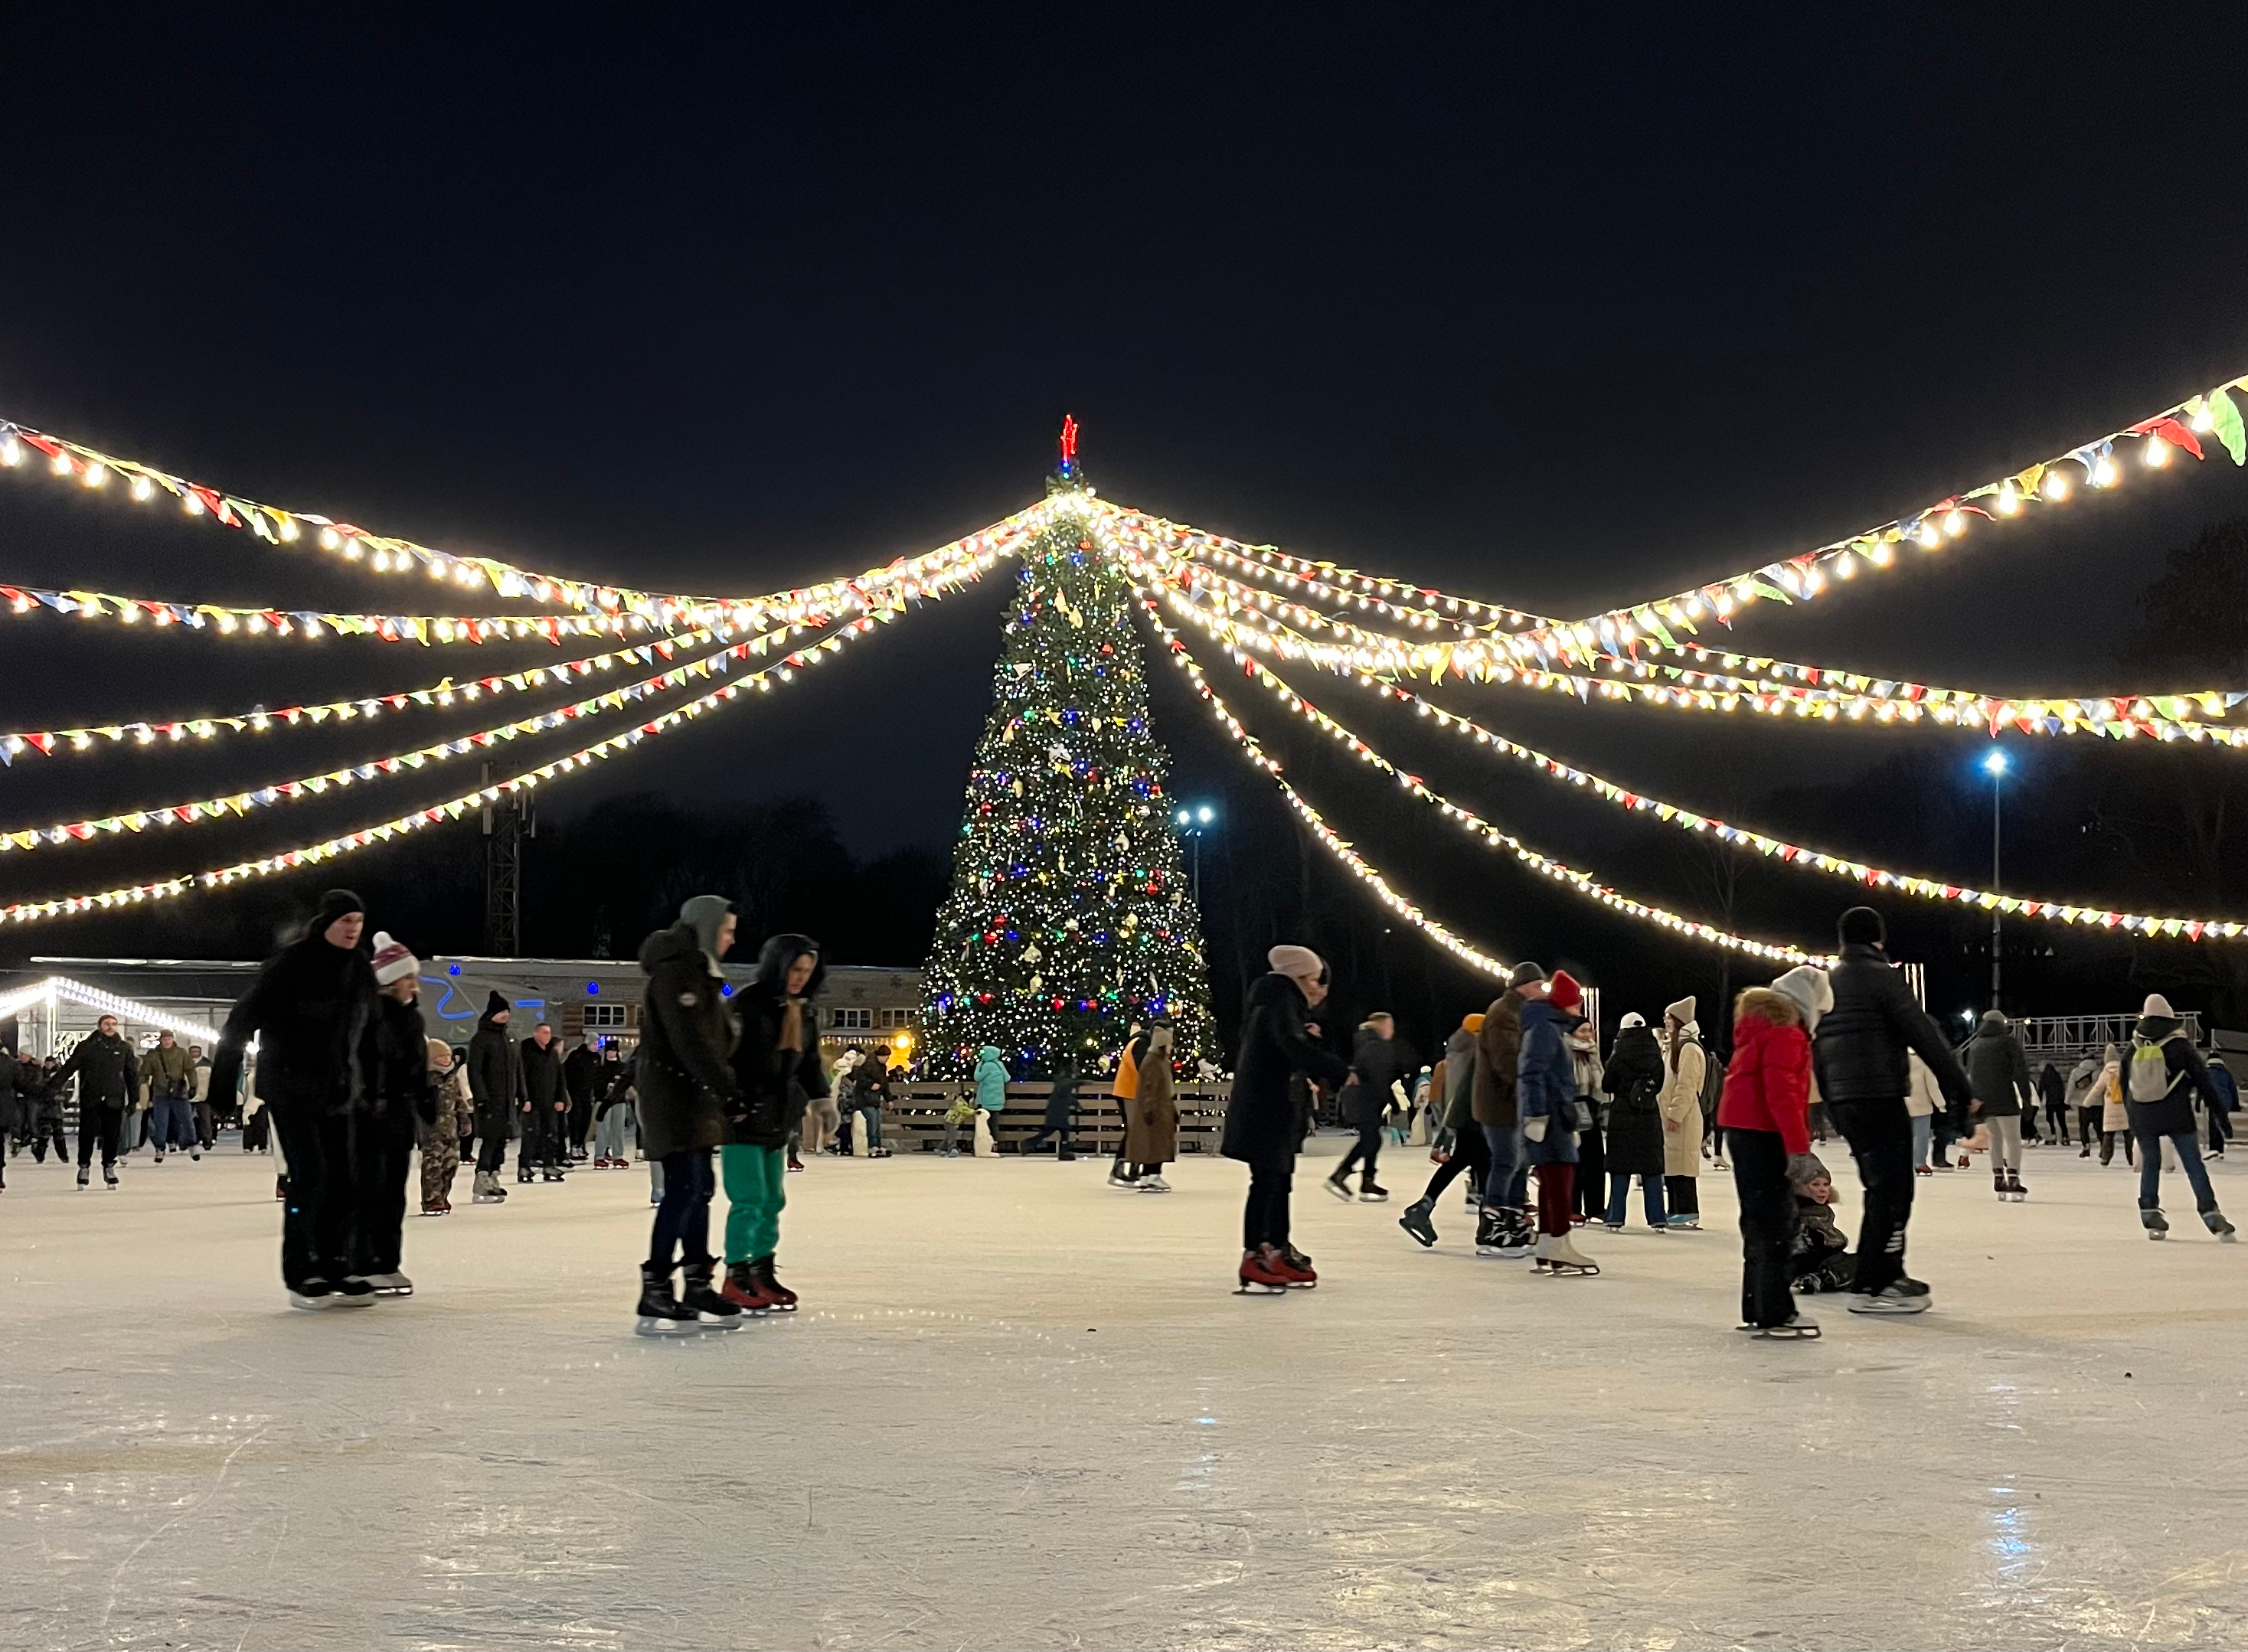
x: 705, y: 914
x: 2157, y: 1005
x: 1474, y: 1023
x: 1805, y: 1167
x: 1813, y: 993
x: 393, y: 960
x: 1563, y: 993
x: 1862, y: 926
x: 1681, y: 1010
x: 336, y: 903
x: 494, y: 1004
x: 1295, y: 961
x: 1525, y: 974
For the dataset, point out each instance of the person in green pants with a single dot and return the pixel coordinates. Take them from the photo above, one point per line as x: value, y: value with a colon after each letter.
x: 776, y: 1066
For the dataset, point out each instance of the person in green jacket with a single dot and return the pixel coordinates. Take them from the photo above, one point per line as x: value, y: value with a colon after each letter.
x: 776, y: 1066
x: 167, y: 1085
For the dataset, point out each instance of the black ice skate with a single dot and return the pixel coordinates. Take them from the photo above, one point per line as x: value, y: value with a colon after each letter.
x: 2157, y: 1225
x: 660, y: 1313
x: 1905, y: 1296
x: 2213, y: 1219
x: 1416, y: 1222
x: 1371, y: 1192
x: 713, y: 1308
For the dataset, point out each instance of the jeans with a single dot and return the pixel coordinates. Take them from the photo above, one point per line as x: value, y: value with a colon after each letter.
x: 97, y: 1124
x: 1880, y: 1134
x: 1470, y: 1152
x: 612, y: 1133
x: 2151, y: 1170
x: 1264, y: 1219
x: 756, y: 1192
x: 1767, y: 1225
x: 316, y: 1221
x: 172, y: 1123
x: 1651, y: 1199
x: 1363, y: 1153
x: 1924, y: 1138
x: 683, y: 1221
x: 2220, y: 1130
x: 870, y: 1119
x: 1506, y: 1183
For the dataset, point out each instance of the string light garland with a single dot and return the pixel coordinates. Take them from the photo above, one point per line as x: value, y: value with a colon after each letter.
x: 1545, y: 865
x: 90, y: 468
x: 441, y: 695
x: 783, y: 672
x: 240, y: 803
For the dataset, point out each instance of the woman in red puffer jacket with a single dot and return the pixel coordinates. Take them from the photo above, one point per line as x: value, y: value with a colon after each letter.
x: 1765, y: 1113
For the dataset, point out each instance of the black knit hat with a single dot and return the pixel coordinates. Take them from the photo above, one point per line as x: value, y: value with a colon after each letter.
x: 334, y: 904
x: 1862, y: 926
x: 494, y: 1004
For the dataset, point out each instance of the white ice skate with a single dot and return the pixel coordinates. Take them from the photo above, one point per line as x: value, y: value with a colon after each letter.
x: 1557, y: 1257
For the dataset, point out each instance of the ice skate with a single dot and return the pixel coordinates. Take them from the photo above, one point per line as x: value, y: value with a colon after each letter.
x: 712, y: 1308
x: 1557, y: 1256
x: 356, y: 1291
x: 2015, y: 1191
x: 1905, y: 1296
x: 391, y: 1284
x: 1153, y: 1184
x: 435, y: 1207
x: 784, y: 1299
x: 2157, y: 1225
x: 1340, y: 1188
x: 1491, y: 1235
x: 109, y: 1176
x: 1797, y: 1330
x: 1690, y: 1223
x: 1294, y: 1268
x: 1258, y: 1277
x: 1416, y: 1222
x: 1371, y: 1192
x: 311, y: 1296
x: 661, y: 1313
x: 84, y: 1175
x: 488, y: 1190
x: 746, y: 1291
x: 2213, y: 1219
x: 1998, y: 1186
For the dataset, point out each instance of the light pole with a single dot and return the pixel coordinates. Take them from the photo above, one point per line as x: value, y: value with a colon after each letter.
x: 1193, y: 823
x: 1995, y: 765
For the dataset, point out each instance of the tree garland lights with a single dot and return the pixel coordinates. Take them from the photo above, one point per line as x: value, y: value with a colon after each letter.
x: 241, y: 802
x: 784, y: 672
x: 1558, y: 871
x: 92, y: 469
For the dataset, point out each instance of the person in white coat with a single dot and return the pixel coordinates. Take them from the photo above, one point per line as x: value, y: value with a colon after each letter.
x: 1924, y: 1100
x: 1686, y: 1066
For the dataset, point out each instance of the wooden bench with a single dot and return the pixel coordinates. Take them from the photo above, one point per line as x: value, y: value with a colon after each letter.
x: 914, y: 1120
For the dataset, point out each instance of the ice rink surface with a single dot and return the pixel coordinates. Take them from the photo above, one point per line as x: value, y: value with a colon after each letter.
x: 1020, y: 1409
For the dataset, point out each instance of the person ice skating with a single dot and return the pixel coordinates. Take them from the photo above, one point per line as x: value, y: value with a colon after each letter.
x: 1766, y: 1113
x: 1061, y: 1111
x: 1470, y: 1155
x: 2160, y: 1077
x: 544, y: 1105
x: 1260, y: 1119
x: 2082, y: 1105
x: 612, y: 1116
x: 1859, y: 1056
x: 40, y: 1102
x: 874, y: 1098
x: 1592, y: 1141
x: 1377, y: 1060
x: 439, y: 1139
x: 1547, y: 1103
x: 1820, y: 1259
x: 167, y: 1085
x: 309, y: 1008
x: 1923, y: 1105
x: 2053, y: 1098
x: 2114, y: 1118
x: 777, y: 1072
x: 687, y: 1094
x: 2220, y: 1117
x: 1634, y: 1079
x: 581, y: 1070
x: 394, y: 1061
x: 104, y: 1066
x: 493, y: 1082
x: 1998, y: 1074
x: 1504, y: 1229
x: 1151, y: 1118
x: 1686, y: 1072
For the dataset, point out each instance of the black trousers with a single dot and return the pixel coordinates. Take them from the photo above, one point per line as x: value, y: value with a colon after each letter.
x: 317, y: 1220
x: 541, y: 1140
x: 491, y: 1137
x: 1471, y: 1151
x: 96, y: 1124
x: 1363, y: 1152
x: 1591, y: 1173
x: 2087, y: 1126
x: 383, y: 1154
x: 1681, y: 1195
x: 1767, y: 1224
x: 1264, y: 1220
x: 1880, y: 1134
x: 47, y: 1125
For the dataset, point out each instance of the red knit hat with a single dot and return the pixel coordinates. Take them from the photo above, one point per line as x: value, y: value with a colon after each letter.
x: 1563, y: 993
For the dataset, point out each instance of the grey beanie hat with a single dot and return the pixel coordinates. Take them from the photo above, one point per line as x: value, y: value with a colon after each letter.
x: 1523, y: 975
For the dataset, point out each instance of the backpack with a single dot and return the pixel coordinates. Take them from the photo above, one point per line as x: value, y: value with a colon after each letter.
x: 2147, y: 1074
x: 1713, y: 1085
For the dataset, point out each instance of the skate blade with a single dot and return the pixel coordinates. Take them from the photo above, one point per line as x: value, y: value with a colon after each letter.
x: 668, y: 1328
x: 1886, y: 1308
x: 1341, y: 1192
x: 1425, y: 1242
x: 1246, y: 1288
x: 1569, y: 1269
x: 1786, y: 1332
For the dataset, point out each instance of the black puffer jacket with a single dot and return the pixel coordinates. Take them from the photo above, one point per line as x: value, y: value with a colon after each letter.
x: 1996, y: 1070
x: 774, y: 1083
x: 1860, y: 1049
x: 685, y: 1086
x: 538, y: 1083
x: 309, y: 1010
x: 1633, y: 1079
x: 1260, y: 1120
x: 493, y: 1079
x: 396, y: 1059
x: 1375, y: 1063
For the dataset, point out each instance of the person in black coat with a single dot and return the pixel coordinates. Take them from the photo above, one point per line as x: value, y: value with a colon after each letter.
x: 1859, y: 1056
x: 395, y: 1059
x: 1061, y: 1111
x: 543, y: 1105
x: 309, y: 1010
x: 1261, y: 1127
x: 107, y: 1071
x: 2161, y: 1073
x: 38, y: 1104
x: 1633, y: 1080
x: 492, y: 1085
x: 582, y: 1078
x: 777, y: 1072
x: 1378, y: 1059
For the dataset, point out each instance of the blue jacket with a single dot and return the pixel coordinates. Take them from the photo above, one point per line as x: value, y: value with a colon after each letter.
x: 990, y: 1080
x: 1546, y: 1083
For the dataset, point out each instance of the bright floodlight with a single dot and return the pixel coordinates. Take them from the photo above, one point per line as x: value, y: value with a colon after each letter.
x: 1995, y: 763
x: 1183, y: 816
x: 1208, y: 814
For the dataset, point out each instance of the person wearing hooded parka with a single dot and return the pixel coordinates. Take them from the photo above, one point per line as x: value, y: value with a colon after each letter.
x: 777, y: 1072
x: 2161, y: 1073
x: 1634, y: 1079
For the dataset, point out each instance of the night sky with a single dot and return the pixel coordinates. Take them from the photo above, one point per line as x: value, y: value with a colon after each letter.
x: 1555, y: 312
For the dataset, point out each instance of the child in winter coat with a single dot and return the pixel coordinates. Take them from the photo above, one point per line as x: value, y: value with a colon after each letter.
x: 1765, y: 1114
x: 1822, y: 1259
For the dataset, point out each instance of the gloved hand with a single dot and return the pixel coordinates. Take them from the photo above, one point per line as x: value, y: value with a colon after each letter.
x: 1534, y: 1129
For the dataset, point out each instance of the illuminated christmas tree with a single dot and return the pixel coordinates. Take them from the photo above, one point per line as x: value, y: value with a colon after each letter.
x: 1069, y: 917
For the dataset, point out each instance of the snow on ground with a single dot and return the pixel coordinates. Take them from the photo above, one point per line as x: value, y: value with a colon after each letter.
x: 1020, y: 1409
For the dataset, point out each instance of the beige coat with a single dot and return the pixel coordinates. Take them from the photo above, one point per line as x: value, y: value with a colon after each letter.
x: 1151, y: 1118
x: 2107, y: 1092
x: 1680, y: 1103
